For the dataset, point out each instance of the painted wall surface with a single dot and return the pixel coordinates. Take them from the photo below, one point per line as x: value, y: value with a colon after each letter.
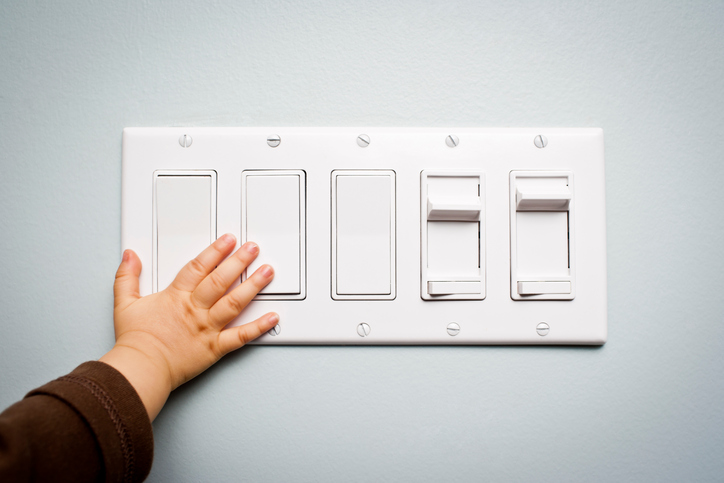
x: 647, y: 406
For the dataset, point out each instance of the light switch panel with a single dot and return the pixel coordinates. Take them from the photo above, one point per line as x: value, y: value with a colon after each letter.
x: 404, y: 238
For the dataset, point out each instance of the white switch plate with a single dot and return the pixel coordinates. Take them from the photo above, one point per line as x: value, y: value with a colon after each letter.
x: 406, y: 319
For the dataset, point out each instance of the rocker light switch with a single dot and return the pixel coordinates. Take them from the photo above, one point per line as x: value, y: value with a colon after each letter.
x: 363, y: 235
x: 452, y: 235
x: 273, y: 215
x: 184, y: 211
x: 542, y: 235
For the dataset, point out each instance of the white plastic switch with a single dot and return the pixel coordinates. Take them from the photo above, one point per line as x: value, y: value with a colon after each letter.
x: 363, y: 235
x: 184, y: 211
x: 452, y: 235
x: 542, y: 235
x: 443, y: 209
x: 542, y: 194
x: 273, y: 216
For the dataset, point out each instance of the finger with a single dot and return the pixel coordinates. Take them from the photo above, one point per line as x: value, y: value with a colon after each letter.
x: 125, y: 288
x: 197, y: 269
x: 235, y: 301
x: 213, y: 287
x: 236, y: 337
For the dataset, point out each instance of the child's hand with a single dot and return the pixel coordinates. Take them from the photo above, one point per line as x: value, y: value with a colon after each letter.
x: 167, y: 338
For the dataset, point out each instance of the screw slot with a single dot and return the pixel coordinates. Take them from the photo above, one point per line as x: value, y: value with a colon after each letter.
x: 276, y: 330
x: 542, y: 329
x: 363, y: 140
x: 453, y: 329
x: 185, y: 141
x: 452, y: 141
x: 363, y: 330
x: 273, y: 140
x: 540, y: 141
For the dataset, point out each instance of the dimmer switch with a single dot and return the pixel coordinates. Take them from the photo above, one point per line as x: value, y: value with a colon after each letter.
x: 452, y: 246
x: 542, y: 236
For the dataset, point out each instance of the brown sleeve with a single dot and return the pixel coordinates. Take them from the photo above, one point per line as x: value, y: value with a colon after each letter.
x: 89, y: 425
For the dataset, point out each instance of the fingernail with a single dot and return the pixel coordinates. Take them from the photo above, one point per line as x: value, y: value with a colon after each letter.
x: 228, y: 239
x: 273, y: 319
x: 126, y: 256
x: 251, y: 247
x: 267, y: 271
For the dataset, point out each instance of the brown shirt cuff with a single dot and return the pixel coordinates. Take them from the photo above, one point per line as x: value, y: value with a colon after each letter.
x: 113, y: 412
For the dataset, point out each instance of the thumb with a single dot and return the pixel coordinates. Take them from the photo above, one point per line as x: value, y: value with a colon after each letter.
x: 125, y: 288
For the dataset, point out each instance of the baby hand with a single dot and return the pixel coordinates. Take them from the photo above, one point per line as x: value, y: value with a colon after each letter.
x: 167, y: 338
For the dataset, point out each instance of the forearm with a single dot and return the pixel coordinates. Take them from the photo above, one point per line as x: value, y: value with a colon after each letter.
x: 81, y: 427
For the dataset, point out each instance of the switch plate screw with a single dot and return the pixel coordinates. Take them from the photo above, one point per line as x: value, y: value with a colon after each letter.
x: 363, y: 330
x: 185, y: 141
x: 452, y: 141
x: 453, y: 329
x: 276, y: 330
x: 542, y: 329
x: 540, y: 141
x: 363, y: 140
x: 273, y: 140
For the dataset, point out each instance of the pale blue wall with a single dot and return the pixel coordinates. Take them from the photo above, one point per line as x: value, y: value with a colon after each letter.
x: 648, y: 406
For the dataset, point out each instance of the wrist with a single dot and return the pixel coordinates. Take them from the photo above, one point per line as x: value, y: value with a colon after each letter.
x: 148, y: 376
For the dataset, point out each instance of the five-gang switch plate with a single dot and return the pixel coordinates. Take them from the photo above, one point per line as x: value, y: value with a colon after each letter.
x: 489, y: 239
